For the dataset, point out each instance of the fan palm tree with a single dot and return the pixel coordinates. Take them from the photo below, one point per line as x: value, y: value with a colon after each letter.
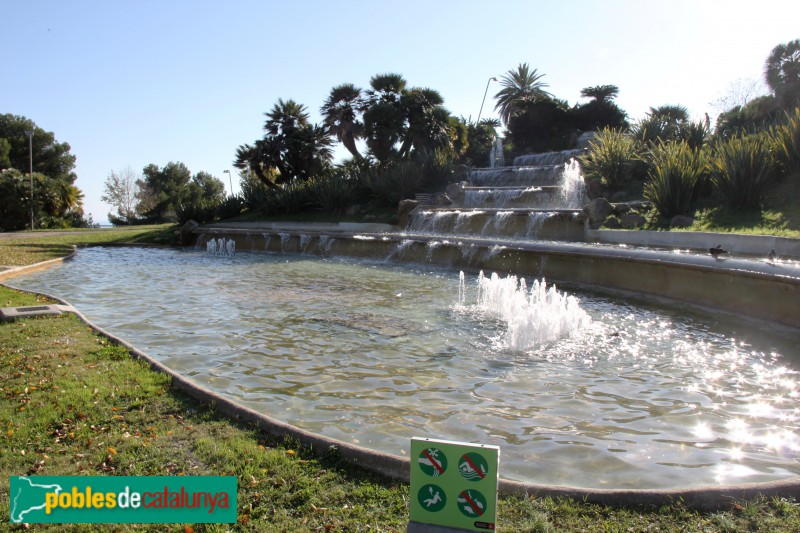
x: 601, y: 93
x: 782, y: 73
x: 428, y: 122
x: 340, y: 116
x: 384, y: 117
x: 520, y: 86
x: 249, y: 158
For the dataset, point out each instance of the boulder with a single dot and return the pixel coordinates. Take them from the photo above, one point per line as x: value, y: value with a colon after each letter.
x: 632, y: 220
x: 455, y: 191
x: 598, y: 211
x: 186, y: 232
x: 404, y: 209
x: 584, y: 139
x: 612, y: 223
x: 441, y: 200
x: 595, y: 189
x: 681, y: 221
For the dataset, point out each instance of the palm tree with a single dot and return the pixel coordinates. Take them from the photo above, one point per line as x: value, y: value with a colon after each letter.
x: 519, y: 87
x: 249, y: 157
x: 340, y: 116
x: 285, y: 118
x: 428, y: 122
x: 670, y: 113
x: 782, y: 73
x: 601, y: 93
x: 384, y: 117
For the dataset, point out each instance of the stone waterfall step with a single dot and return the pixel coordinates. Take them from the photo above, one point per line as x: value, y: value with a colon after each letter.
x: 547, y: 196
x: 513, y: 223
x: 529, y: 176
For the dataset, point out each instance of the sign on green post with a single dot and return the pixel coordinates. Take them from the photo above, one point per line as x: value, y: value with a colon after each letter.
x: 454, y: 484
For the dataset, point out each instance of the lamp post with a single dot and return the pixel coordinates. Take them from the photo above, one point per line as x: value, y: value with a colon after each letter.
x: 490, y: 80
x: 230, y: 180
x: 29, y: 133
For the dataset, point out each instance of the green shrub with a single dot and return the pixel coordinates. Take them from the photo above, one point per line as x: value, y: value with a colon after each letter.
x: 231, y: 207
x: 612, y: 158
x: 786, y: 142
x: 676, y: 175
x: 739, y: 169
x: 389, y: 185
x: 293, y: 197
x: 335, y: 193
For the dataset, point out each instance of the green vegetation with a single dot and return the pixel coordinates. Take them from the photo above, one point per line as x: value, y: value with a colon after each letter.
x: 33, y: 247
x: 57, y: 202
x: 675, y: 177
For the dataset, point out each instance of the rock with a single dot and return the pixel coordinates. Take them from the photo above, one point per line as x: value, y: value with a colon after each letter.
x: 621, y: 209
x: 632, y: 220
x: 404, y: 208
x: 441, y: 200
x: 681, y: 221
x: 598, y: 211
x: 595, y: 189
x: 186, y: 232
x: 455, y: 191
x: 612, y: 223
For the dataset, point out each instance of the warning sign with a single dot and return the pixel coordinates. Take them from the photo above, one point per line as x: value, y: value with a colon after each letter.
x: 462, y: 497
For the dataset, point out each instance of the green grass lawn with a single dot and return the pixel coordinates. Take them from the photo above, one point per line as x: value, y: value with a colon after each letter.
x: 71, y: 403
x: 35, y: 246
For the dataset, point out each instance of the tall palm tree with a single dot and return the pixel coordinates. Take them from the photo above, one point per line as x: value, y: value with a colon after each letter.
x: 340, y: 116
x: 428, y: 122
x: 384, y: 117
x: 601, y: 93
x: 520, y: 86
x: 782, y: 73
x: 286, y: 117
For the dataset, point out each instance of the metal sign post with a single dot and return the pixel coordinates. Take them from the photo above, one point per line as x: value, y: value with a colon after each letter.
x: 453, y: 485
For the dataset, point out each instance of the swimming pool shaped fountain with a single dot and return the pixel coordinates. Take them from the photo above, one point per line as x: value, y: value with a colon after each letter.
x: 614, y: 393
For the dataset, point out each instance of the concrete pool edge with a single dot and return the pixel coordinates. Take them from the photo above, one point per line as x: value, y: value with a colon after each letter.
x: 397, y: 467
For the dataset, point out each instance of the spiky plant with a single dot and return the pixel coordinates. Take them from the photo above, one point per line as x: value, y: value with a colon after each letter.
x: 739, y: 169
x: 610, y: 158
x: 676, y: 175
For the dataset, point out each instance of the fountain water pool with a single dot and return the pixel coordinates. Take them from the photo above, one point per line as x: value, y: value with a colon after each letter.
x: 373, y: 353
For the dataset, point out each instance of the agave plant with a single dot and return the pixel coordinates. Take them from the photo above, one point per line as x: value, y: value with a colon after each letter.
x: 740, y: 168
x: 786, y: 142
x: 676, y: 175
x: 611, y: 158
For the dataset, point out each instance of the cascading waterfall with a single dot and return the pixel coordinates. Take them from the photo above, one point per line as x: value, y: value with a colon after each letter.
x: 533, y: 317
x: 572, y: 185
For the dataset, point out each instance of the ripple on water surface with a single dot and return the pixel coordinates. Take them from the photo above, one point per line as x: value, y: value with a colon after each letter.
x: 632, y: 397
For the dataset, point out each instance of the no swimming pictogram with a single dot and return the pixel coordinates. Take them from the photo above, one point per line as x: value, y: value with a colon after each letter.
x: 473, y: 466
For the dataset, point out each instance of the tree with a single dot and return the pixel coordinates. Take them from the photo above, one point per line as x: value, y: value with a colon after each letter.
x: 204, y: 195
x: 56, y: 199
x: 600, y: 93
x: 601, y: 111
x: 121, y: 191
x: 782, y: 73
x: 427, y: 122
x: 292, y: 145
x: 340, y: 114
x: 162, y: 190
x: 520, y: 87
x: 384, y: 117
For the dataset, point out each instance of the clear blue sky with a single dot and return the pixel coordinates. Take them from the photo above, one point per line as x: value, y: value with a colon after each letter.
x: 128, y: 83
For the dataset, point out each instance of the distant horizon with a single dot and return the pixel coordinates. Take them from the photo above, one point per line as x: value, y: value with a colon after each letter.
x: 135, y: 83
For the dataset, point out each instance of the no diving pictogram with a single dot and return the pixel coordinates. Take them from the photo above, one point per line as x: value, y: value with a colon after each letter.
x: 432, y: 461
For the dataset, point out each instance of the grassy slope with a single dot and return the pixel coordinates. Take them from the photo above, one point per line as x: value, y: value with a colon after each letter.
x: 72, y: 404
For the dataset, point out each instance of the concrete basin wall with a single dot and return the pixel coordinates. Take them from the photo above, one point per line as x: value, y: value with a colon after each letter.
x: 757, y: 289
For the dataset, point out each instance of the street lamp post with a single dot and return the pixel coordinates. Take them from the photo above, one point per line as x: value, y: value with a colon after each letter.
x: 490, y: 80
x: 230, y: 180
x: 29, y: 133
